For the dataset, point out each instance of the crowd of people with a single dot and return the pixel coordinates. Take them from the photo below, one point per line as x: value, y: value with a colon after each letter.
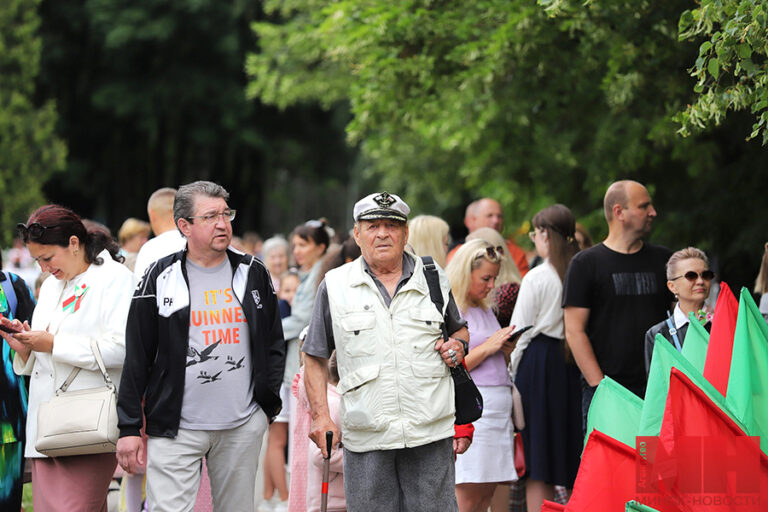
x: 235, y: 360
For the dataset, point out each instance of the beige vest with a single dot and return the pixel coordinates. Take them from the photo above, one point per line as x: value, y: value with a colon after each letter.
x: 396, y: 391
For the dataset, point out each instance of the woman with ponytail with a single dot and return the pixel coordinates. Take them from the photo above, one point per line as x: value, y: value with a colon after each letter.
x: 86, y: 298
x: 547, y: 377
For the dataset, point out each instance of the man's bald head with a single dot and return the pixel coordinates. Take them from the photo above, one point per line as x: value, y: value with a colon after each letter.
x: 628, y: 209
x: 484, y: 213
x: 617, y: 194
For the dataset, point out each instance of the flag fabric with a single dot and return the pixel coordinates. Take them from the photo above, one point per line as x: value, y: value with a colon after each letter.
x: 634, y: 506
x: 606, y: 477
x: 551, y: 506
x: 747, y: 394
x: 665, y: 357
x: 718, y: 363
x: 696, y: 343
x: 615, y: 411
x: 703, y: 459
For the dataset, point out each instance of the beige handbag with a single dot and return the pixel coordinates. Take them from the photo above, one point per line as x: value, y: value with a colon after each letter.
x: 79, y: 422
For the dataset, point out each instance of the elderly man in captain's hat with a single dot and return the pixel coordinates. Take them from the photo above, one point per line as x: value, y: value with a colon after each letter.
x: 397, y: 402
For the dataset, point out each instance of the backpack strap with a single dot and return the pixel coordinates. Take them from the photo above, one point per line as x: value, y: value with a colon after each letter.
x: 433, y: 282
x: 10, y: 294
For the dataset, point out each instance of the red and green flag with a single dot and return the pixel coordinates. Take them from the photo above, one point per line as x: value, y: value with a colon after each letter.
x: 606, y: 477
x: 702, y: 459
x: 718, y: 364
x: 615, y: 411
x: 665, y: 357
x: 747, y: 394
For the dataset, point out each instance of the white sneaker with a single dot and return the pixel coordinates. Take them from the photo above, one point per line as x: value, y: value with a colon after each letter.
x: 280, y: 506
x: 266, y: 506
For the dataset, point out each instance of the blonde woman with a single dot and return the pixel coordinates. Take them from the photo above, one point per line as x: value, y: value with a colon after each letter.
x: 489, y: 461
x: 428, y: 236
x: 504, y: 295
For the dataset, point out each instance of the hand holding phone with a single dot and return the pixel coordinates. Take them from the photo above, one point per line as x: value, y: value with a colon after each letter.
x: 514, y: 336
x: 8, y: 326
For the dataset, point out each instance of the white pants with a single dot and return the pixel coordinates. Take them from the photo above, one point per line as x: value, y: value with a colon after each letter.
x: 232, y: 456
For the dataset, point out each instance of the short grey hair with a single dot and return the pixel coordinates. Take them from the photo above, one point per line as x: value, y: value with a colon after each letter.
x: 275, y: 242
x: 184, y: 203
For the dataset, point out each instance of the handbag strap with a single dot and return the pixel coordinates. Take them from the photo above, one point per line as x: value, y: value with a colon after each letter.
x: 76, y: 369
x: 433, y: 282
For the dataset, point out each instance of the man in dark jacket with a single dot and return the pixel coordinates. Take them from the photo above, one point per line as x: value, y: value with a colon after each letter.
x: 205, y: 349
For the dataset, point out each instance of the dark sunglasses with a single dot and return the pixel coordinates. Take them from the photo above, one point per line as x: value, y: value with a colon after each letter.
x: 32, y: 232
x: 692, y: 276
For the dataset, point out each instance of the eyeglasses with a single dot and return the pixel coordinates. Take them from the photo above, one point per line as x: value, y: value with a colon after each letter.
x: 532, y: 235
x: 692, y: 276
x: 492, y: 253
x: 32, y: 232
x: 212, y: 218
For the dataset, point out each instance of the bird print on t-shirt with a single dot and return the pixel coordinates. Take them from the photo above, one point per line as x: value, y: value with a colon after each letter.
x: 208, y: 378
x: 235, y: 365
x: 201, y: 357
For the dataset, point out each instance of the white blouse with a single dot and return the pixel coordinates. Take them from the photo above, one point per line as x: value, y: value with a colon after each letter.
x: 74, y: 317
x: 538, y: 304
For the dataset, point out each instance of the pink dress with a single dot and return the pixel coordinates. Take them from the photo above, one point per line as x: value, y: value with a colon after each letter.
x: 302, y: 423
x: 336, y: 500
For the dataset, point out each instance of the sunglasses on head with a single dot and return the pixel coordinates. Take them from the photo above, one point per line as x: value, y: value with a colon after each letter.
x: 692, y: 276
x: 492, y: 253
x: 32, y: 232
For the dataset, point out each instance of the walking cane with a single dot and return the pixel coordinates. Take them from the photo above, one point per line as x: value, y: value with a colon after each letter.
x: 326, y: 471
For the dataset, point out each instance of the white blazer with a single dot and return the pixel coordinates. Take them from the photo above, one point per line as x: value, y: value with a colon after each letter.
x: 101, y: 314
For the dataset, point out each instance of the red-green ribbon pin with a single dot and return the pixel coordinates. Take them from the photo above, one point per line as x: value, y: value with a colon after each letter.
x: 73, y: 303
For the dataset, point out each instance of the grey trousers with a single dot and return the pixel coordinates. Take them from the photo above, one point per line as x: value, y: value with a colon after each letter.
x: 420, y: 479
x: 173, y: 469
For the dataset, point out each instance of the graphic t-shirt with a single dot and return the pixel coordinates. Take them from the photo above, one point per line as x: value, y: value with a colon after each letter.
x: 626, y: 294
x: 218, y: 390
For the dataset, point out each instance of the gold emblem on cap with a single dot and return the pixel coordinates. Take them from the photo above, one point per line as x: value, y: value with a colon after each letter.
x: 384, y: 200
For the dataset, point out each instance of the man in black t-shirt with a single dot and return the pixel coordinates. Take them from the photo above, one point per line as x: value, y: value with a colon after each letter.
x: 614, y: 291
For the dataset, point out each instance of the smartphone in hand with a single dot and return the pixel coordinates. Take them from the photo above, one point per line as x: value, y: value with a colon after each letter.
x: 7, y: 326
x: 514, y: 336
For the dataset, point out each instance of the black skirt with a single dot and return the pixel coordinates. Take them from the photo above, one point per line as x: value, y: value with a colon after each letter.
x: 551, y: 394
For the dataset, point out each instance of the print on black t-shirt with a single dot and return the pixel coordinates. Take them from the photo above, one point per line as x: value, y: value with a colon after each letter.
x: 634, y: 283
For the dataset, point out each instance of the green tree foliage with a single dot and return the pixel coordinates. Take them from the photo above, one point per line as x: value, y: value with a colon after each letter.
x: 730, y: 70
x: 29, y: 150
x: 152, y: 94
x: 529, y: 103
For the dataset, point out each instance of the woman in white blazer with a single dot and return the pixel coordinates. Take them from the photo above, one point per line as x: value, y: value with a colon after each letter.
x: 87, y: 297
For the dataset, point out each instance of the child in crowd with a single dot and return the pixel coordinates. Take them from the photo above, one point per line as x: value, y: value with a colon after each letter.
x: 336, y: 501
x: 289, y: 283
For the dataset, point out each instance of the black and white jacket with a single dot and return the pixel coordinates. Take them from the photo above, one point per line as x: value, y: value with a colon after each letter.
x: 157, y: 339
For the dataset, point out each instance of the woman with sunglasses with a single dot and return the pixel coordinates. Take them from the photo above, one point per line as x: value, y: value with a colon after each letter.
x: 543, y: 371
x: 689, y: 278
x: 86, y: 298
x: 504, y: 296
x: 489, y: 461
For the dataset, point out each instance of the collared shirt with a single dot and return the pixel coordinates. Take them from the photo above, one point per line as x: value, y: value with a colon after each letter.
x: 679, y: 317
x: 408, y: 266
x: 320, y: 342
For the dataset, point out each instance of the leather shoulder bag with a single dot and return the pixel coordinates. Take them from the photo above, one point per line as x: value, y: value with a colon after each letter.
x: 468, y: 400
x: 79, y: 422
